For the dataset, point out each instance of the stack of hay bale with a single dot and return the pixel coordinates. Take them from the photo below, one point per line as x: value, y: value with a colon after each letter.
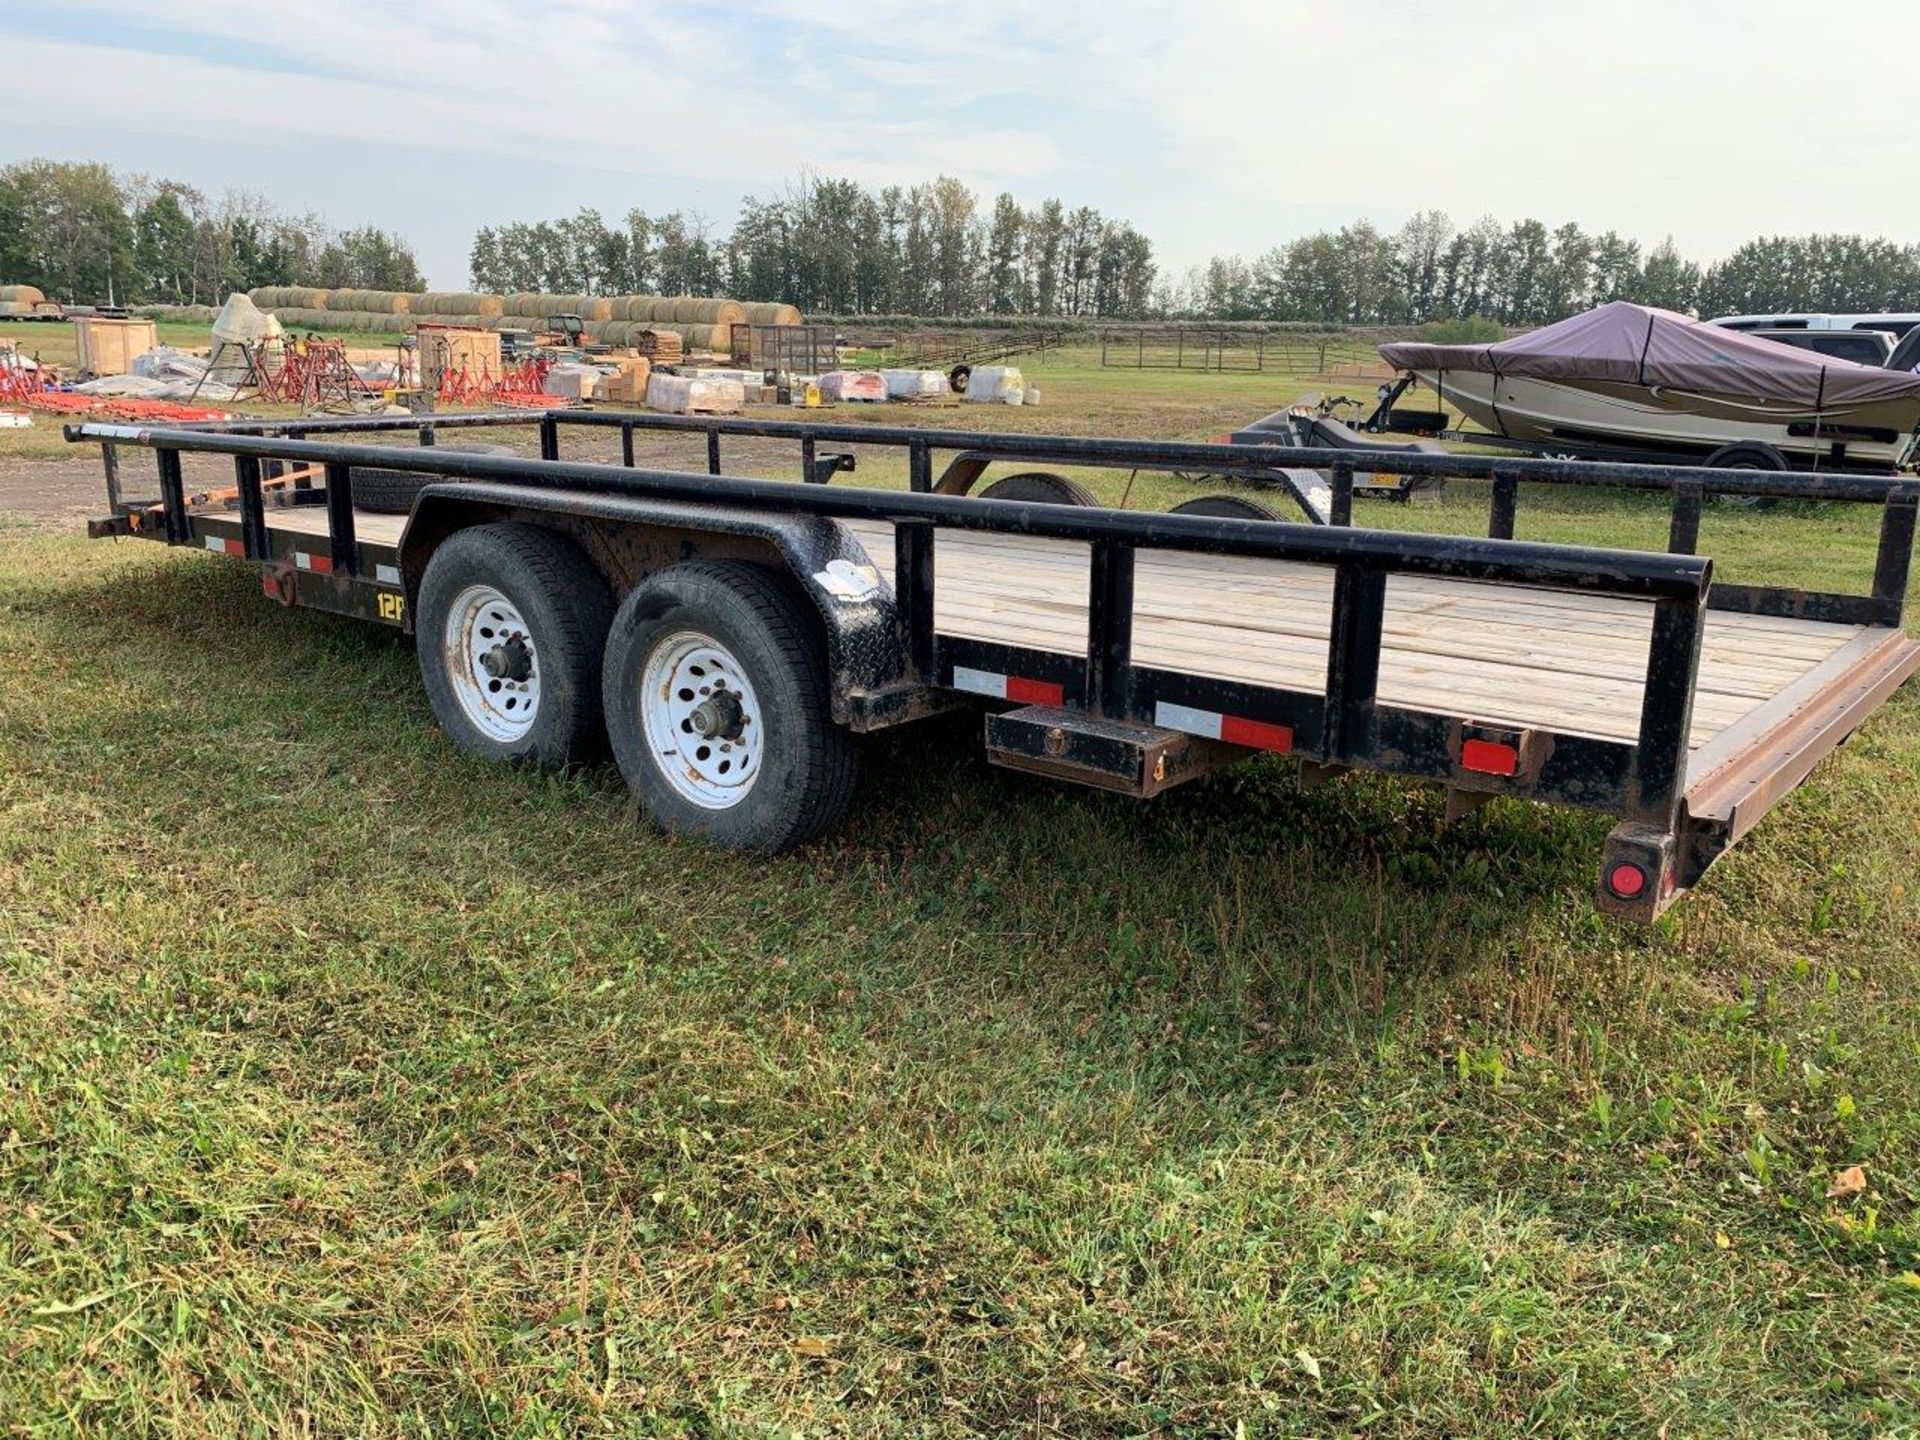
x: 625, y: 320
x: 26, y: 302
x: 700, y: 324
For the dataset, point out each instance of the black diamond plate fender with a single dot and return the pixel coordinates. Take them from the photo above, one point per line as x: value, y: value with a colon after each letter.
x: 871, y: 680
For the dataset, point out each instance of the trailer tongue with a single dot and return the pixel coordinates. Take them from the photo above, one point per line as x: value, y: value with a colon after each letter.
x: 728, y: 634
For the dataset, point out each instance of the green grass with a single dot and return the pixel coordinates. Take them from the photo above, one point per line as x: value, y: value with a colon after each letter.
x: 349, y: 1086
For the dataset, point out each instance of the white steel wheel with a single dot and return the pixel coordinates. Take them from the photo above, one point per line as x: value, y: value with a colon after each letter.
x: 702, y: 719
x: 492, y: 663
x: 719, y: 710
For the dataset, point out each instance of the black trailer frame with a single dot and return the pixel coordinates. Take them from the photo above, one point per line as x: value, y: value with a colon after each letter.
x: 1098, y: 716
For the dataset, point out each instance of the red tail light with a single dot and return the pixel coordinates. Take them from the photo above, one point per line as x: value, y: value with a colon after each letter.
x: 1627, y: 880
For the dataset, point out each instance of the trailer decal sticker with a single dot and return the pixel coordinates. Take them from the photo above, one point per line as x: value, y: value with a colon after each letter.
x: 1008, y: 687
x: 392, y: 607
x: 1234, y: 729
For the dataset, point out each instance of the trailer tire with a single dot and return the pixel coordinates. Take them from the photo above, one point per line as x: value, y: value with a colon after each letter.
x: 511, y: 620
x: 726, y: 655
x: 392, y: 492
x: 1747, y: 455
x: 1227, y: 507
x: 1038, y: 487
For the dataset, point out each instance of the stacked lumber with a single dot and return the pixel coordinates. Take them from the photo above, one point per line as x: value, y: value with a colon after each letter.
x: 662, y: 347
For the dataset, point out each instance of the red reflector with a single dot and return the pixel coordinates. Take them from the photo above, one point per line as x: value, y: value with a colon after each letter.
x: 1489, y: 758
x: 1626, y: 880
x: 1035, y: 692
x: 1256, y: 733
x: 320, y: 564
x: 233, y: 547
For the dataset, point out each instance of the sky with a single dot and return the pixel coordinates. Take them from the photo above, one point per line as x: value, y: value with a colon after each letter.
x: 1214, y: 126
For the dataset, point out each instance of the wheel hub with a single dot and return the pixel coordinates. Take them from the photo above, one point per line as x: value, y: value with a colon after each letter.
x: 718, y: 717
x: 701, y: 719
x: 509, y: 660
x: 492, y: 663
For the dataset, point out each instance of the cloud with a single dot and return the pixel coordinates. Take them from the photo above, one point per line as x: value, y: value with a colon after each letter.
x: 1214, y: 125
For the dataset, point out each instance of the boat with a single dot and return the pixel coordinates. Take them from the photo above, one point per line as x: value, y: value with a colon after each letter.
x: 1628, y: 376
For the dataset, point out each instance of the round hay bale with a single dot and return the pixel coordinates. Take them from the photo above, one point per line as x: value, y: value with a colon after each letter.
x: 772, y: 312
x: 28, y: 295
x: 685, y: 311
x: 595, y: 307
x: 383, y: 302
x: 340, y: 300
x: 527, y: 303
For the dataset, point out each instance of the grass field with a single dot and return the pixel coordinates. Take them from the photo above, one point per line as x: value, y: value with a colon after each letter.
x: 351, y: 1087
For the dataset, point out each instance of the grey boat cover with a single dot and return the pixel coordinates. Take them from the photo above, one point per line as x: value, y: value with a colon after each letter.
x: 1637, y: 345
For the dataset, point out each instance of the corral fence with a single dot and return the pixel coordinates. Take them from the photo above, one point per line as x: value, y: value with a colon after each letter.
x: 944, y: 349
x: 1227, y: 349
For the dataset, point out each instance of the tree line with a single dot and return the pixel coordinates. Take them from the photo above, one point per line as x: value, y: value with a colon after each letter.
x: 838, y: 247
x: 87, y: 235
x: 83, y: 233
x: 1525, y: 274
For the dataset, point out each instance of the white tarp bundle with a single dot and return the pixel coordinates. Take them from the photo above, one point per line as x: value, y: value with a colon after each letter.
x: 572, y: 381
x: 241, y: 321
x: 163, y: 373
x: 683, y: 394
x: 996, y: 385
x: 914, y: 384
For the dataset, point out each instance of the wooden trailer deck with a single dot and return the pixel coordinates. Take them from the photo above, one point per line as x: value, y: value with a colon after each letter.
x: 1554, y: 660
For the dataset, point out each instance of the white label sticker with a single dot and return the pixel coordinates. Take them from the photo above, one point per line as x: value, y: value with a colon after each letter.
x: 845, y: 580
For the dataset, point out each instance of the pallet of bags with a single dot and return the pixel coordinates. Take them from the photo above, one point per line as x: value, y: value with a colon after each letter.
x: 915, y: 384
x: 684, y: 395
x: 996, y: 385
x: 854, y: 385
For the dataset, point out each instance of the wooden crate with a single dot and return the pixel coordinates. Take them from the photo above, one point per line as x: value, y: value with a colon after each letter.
x: 107, y: 347
x: 454, y: 348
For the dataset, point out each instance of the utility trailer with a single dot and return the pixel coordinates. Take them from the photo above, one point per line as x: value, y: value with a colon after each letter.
x: 727, y: 636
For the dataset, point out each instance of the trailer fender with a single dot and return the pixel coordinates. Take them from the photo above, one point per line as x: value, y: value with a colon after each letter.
x: 871, y: 680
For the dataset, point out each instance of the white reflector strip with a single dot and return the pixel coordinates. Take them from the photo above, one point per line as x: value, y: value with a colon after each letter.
x: 387, y: 574
x: 216, y: 544
x: 302, y: 559
x: 1187, y: 720
x: 980, y: 682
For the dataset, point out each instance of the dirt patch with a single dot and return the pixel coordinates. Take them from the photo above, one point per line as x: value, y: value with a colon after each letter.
x: 60, y: 493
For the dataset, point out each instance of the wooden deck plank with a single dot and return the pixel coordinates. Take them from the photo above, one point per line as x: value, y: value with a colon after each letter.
x: 1557, y: 659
